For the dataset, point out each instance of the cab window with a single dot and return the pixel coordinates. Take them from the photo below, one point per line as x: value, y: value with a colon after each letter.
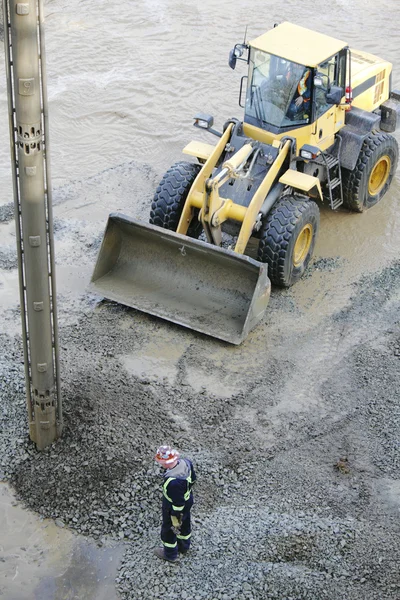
x: 326, y: 73
x: 331, y: 72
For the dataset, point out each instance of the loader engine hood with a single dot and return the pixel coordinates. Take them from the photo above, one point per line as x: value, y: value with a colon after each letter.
x: 370, y: 80
x: 242, y: 189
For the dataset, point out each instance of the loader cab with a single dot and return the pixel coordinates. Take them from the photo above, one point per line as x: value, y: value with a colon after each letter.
x: 283, y: 95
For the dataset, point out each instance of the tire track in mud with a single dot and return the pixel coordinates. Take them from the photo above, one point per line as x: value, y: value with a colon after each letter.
x: 318, y: 356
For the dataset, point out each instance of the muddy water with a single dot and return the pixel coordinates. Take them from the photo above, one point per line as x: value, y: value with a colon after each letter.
x: 124, y: 83
x: 39, y: 560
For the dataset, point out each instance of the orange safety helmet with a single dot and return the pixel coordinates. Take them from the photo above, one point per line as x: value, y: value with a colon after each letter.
x: 167, y: 457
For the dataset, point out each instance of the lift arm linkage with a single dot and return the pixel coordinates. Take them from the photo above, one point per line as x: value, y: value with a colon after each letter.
x: 214, y: 210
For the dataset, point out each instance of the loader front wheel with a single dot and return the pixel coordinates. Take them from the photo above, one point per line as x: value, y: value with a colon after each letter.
x: 370, y: 179
x: 287, y: 239
x: 170, y: 197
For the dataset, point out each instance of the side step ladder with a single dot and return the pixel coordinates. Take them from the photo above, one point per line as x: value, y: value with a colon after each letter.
x: 333, y: 191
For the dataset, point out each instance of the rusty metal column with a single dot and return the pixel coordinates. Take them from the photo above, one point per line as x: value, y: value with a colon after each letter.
x: 24, y: 49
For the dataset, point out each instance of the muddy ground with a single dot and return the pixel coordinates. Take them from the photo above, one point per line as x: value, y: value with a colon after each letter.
x: 295, y: 434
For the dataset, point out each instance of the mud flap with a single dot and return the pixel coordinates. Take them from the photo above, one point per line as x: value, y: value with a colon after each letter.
x: 186, y: 281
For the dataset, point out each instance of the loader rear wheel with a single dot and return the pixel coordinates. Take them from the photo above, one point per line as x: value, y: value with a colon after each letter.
x: 370, y: 179
x: 287, y: 239
x: 170, y: 197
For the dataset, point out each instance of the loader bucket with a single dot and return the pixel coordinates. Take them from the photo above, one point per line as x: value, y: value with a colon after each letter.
x: 186, y: 281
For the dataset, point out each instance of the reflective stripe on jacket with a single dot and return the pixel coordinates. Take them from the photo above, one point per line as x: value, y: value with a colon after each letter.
x: 303, y: 86
x: 178, y: 485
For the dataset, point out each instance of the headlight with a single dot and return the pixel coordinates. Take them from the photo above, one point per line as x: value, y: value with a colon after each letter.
x: 201, y: 123
x: 204, y: 121
x: 309, y: 152
x: 306, y: 154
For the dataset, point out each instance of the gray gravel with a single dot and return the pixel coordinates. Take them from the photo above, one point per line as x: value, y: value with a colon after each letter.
x: 299, y: 471
x: 8, y: 258
x: 6, y: 210
x: 323, y: 264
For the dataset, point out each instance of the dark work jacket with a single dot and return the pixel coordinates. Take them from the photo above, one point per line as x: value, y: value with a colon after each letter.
x: 177, y: 488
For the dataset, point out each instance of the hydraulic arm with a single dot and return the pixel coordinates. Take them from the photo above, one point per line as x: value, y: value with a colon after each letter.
x: 214, y: 209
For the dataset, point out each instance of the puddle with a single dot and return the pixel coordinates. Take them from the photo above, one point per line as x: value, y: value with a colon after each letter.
x: 91, y: 210
x: 39, y: 560
x: 8, y: 236
x: 212, y: 383
x: 367, y: 241
x: 159, y: 361
x: 150, y: 367
x: 72, y: 283
x: 72, y: 279
x: 156, y: 361
x: 9, y: 289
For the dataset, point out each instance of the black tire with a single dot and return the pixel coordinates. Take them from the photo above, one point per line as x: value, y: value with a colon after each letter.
x: 170, y: 197
x: 379, y: 151
x: 292, y: 219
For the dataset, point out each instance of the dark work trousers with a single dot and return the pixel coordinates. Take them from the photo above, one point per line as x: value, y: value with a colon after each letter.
x: 171, y: 542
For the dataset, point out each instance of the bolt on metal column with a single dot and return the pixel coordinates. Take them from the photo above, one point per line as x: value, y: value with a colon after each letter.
x: 29, y: 144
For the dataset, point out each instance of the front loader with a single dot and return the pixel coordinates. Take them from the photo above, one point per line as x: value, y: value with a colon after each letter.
x: 316, y: 128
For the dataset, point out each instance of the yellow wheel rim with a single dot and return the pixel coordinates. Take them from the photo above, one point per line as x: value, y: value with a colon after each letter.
x: 302, y: 245
x: 379, y: 175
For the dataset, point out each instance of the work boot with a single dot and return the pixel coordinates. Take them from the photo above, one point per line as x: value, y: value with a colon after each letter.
x: 182, y: 549
x: 159, y: 552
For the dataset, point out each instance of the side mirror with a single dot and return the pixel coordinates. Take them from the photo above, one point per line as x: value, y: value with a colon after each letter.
x: 335, y: 95
x: 236, y: 53
x: 321, y: 81
x: 318, y: 81
x: 232, y: 59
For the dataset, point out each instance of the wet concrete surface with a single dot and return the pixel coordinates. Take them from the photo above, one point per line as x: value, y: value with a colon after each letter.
x: 42, y: 561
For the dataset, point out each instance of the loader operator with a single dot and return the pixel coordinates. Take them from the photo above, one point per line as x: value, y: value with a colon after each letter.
x: 177, y: 501
x: 301, y: 101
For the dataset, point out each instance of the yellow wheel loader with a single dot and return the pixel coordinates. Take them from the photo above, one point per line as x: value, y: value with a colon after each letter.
x: 316, y: 128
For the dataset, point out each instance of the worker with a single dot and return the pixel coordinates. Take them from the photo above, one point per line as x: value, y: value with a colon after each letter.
x: 179, y: 477
x: 301, y: 101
